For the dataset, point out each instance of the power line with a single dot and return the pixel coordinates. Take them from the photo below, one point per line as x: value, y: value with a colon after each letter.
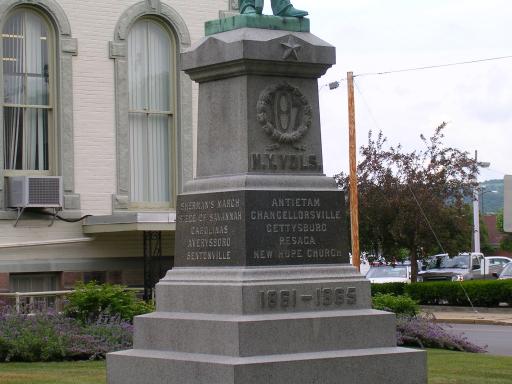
x: 322, y: 87
x: 367, y: 107
x: 426, y: 218
x: 336, y: 84
x: 433, y: 66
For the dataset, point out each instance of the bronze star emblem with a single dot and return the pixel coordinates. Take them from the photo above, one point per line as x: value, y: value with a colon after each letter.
x: 291, y: 49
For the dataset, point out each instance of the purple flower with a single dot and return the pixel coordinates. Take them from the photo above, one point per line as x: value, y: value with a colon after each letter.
x: 50, y: 336
x: 423, y: 332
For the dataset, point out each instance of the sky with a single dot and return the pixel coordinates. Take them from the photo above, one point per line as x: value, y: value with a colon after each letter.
x: 375, y: 36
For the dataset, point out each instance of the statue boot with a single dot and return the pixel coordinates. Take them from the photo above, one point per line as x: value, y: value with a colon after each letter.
x: 284, y: 8
x: 281, y: 8
x: 247, y: 7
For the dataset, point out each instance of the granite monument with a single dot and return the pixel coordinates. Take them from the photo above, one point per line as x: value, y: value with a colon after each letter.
x: 262, y: 291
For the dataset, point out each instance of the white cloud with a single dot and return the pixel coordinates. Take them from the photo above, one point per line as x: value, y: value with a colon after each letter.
x: 374, y: 35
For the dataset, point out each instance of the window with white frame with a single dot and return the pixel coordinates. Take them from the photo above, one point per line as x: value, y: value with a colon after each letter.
x: 151, y: 67
x: 28, y: 58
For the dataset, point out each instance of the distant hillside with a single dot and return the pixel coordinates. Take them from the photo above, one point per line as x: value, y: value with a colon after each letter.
x: 491, y: 202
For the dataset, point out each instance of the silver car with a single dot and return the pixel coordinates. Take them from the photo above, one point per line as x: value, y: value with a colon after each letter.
x: 390, y: 274
x: 507, y: 272
x: 496, y: 264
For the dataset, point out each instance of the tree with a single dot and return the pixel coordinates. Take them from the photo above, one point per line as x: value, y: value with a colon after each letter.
x: 415, y: 200
x: 506, y: 242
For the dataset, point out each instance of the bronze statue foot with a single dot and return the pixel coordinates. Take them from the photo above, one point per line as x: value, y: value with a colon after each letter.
x: 249, y: 10
x: 258, y: 5
x: 290, y: 11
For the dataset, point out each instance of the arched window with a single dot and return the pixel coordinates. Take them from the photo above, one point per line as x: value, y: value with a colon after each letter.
x: 28, y: 47
x: 151, y: 80
x: 153, y: 107
x: 36, y: 95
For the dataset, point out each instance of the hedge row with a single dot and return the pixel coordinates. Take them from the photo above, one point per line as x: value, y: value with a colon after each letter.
x: 483, y: 293
x: 396, y: 289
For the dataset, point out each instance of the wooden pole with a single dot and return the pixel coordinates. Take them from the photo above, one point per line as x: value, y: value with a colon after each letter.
x: 476, y: 215
x: 354, y: 204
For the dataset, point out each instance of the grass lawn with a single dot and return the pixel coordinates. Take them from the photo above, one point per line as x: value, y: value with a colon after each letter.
x: 444, y: 367
x: 79, y: 372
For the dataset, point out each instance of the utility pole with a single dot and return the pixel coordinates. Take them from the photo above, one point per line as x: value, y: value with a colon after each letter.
x: 354, y: 204
x: 476, y: 208
x: 476, y: 221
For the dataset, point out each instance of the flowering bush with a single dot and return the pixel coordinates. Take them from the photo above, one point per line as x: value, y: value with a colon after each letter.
x: 110, y: 334
x: 49, y: 336
x: 418, y: 330
x: 423, y: 332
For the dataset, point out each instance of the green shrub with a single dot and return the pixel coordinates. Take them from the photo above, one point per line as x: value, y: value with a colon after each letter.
x: 483, y: 293
x: 5, y: 347
x: 89, y: 301
x: 401, y: 305
x: 393, y: 288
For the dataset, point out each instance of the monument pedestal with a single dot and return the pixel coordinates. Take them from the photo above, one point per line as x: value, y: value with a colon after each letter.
x: 262, y: 291
x: 272, y: 325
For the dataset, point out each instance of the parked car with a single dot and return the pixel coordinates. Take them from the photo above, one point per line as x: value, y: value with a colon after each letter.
x: 507, y: 272
x: 442, y: 267
x: 396, y: 273
x: 496, y: 264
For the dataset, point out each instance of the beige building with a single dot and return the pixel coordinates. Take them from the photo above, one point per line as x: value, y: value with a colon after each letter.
x: 92, y: 93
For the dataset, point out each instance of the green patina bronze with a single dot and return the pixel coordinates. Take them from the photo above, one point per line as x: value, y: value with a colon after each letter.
x: 281, y: 8
x: 286, y: 18
x: 293, y: 24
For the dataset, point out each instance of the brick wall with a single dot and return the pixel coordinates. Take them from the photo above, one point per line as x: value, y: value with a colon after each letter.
x: 4, y: 282
x: 69, y: 279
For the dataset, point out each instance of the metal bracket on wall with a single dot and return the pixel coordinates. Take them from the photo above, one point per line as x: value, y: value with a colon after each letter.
x: 20, y: 211
x: 152, y: 251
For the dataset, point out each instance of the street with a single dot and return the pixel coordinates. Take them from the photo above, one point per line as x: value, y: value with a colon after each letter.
x: 498, y: 338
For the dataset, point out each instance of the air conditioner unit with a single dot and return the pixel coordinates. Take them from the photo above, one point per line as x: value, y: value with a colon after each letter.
x: 35, y: 192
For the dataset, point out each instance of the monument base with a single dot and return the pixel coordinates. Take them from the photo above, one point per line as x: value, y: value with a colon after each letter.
x: 251, y: 325
x: 334, y: 367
